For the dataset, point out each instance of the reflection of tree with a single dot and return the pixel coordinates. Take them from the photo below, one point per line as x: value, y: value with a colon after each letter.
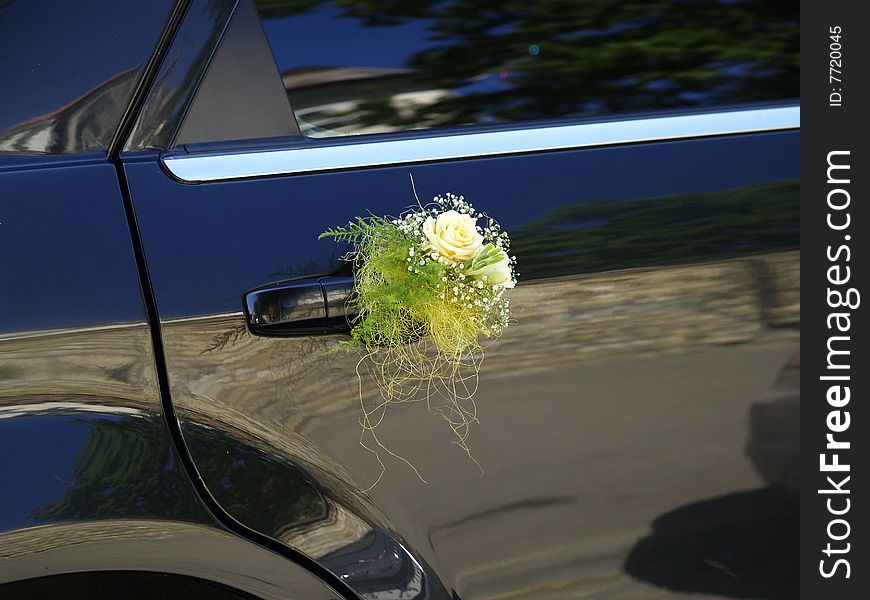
x: 127, y: 468
x: 256, y: 487
x: 228, y: 337
x: 591, y: 56
x: 616, y: 234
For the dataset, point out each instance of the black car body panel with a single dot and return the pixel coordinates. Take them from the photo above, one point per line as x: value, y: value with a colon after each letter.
x: 92, y: 480
x: 692, y: 319
x: 636, y: 426
x: 65, y: 89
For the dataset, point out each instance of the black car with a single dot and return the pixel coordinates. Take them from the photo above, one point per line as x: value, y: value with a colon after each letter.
x: 163, y: 165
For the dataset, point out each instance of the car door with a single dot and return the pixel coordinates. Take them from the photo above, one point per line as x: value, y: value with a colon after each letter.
x: 638, y: 417
x: 95, y: 501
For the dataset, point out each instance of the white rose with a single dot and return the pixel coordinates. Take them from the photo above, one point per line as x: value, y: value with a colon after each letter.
x: 453, y: 236
x: 496, y: 273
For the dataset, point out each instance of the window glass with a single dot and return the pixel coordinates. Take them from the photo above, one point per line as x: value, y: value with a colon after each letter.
x: 69, y: 69
x: 373, y: 66
x: 241, y: 95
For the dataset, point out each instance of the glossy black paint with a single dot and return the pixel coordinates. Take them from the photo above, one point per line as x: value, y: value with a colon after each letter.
x: 112, y: 556
x: 105, y: 466
x: 137, y: 585
x: 292, y: 503
x: 65, y: 246
x: 92, y: 480
x: 68, y: 75
x: 660, y: 298
x: 276, y: 237
x: 287, y: 497
x: 578, y: 215
x: 91, y: 476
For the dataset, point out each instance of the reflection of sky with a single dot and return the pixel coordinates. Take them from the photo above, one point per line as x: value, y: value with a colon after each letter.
x: 485, y: 84
x: 67, y: 249
x: 309, y: 40
x: 323, y: 38
x: 39, y: 454
x: 53, y: 53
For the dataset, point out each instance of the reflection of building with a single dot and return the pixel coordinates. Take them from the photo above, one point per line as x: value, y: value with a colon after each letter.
x: 329, y: 101
x: 86, y: 123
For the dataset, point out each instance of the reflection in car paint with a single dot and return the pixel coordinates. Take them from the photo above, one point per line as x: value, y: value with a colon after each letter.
x: 69, y: 72
x: 693, y: 320
x: 79, y: 124
x: 163, y: 546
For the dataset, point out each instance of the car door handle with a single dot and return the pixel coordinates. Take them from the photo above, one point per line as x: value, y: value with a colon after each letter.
x: 300, y: 308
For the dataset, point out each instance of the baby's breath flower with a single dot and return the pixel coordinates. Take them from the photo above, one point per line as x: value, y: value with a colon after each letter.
x: 438, y: 277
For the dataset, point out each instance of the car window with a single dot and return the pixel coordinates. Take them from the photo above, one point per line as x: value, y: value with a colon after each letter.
x: 70, y: 69
x: 240, y: 96
x: 377, y: 66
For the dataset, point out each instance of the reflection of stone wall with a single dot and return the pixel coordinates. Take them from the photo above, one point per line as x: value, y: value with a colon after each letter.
x: 35, y: 540
x: 205, y: 552
x: 290, y: 381
x: 287, y: 395
x: 589, y: 317
x: 81, y: 369
x: 286, y: 392
x: 650, y: 311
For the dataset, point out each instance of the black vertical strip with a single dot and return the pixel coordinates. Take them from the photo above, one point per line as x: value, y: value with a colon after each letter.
x: 835, y: 222
x: 172, y: 423
x: 148, y: 74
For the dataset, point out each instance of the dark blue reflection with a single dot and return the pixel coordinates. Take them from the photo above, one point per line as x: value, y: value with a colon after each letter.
x: 31, y: 475
x: 227, y: 238
x: 362, y: 44
x: 68, y: 70
x: 66, y: 258
x: 363, y: 66
x: 98, y: 467
x: 637, y: 232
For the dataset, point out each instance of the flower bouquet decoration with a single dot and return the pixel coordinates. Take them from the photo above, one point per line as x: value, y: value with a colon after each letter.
x: 429, y: 289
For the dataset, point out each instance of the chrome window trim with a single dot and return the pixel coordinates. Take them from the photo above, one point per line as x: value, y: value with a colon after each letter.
x: 219, y: 166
